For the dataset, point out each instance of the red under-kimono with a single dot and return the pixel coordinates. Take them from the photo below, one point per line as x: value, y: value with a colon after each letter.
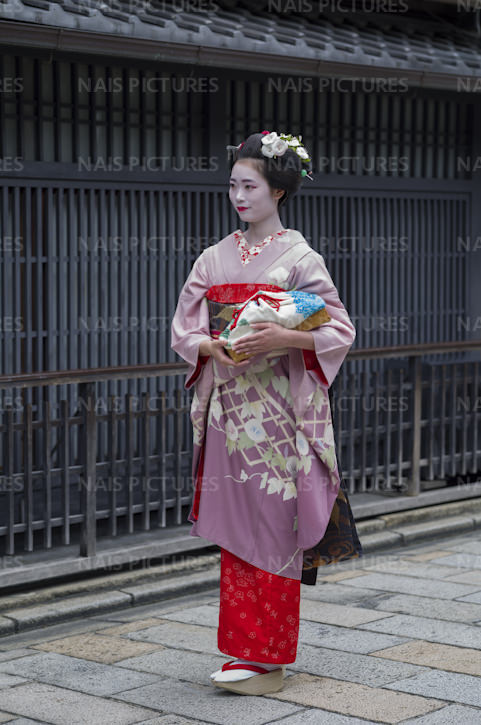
x: 259, y: 612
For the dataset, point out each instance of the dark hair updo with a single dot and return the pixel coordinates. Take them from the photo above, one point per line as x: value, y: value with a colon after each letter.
x: 280, y: 172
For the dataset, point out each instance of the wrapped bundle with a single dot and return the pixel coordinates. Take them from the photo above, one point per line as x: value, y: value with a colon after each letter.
x: 224, y: 299
x: 267, y: 303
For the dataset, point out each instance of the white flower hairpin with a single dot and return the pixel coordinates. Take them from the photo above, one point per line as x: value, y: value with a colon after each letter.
x: 273, y: 144
x: 277, y: 145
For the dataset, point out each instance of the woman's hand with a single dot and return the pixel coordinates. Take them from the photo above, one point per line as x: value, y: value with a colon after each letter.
x: 270, y: 336
x: 216, y: 349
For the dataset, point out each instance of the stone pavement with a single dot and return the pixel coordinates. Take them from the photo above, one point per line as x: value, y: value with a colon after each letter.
x: 394, y: 637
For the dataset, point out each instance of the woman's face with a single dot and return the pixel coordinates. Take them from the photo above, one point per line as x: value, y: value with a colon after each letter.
x: 250, y: 194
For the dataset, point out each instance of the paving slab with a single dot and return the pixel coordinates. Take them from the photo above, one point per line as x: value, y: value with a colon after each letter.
x: 59, y: 706
x: 208, y: 703
x: 134, y: 626
x: 440, y: 656
x: 434, y: 630
x: 180, y: 636
x: 410, y: 585
x: 315, y: 716
x: 448, y: 715
x: 343, y: 638
x: 348, y: 565
x: 348, y: 698
x: 88, y: 677
x: 23, y: 721
x: 97, y: 647
x: 338, y: 576
x: 13, y: 653
x: 463, y: 560
x: 414, y: 568
x: 182, y: 665
x: 475, y: 598
x: 337, y: 614
x: 172, y: 720
x: 350, y: 666
x: 428, y: 555
x: 450, y: 610
x: 446, y: 685
x: 9, y: 680
x: 470, y: 576
x: 206, y: 615
x: 338, y: 592
x: 5, y: 717
x: 468, y: 546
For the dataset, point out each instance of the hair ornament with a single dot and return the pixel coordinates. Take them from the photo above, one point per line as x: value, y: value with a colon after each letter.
x: 273, y: 145
x: 277, y: 145
x: 230, y: 147
x: 308, y: 174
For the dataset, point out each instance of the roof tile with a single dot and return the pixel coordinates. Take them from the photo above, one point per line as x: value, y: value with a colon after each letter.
x: 415, y: 41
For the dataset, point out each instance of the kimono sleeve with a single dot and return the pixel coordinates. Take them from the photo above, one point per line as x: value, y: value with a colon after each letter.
x: 332, y: 339
x: 190, y: 323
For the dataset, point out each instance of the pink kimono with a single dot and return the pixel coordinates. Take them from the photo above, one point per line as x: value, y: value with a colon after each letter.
x: 264, y: 446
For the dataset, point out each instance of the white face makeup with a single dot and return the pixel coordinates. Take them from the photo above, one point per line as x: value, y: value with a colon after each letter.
x: 250, y: 194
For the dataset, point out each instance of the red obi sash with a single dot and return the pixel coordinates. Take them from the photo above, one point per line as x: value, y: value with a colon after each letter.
x: 235, y: 293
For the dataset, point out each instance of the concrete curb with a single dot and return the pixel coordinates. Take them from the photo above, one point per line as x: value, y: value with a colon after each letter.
x: 406, y: 527
x: 101, y: 595
x: 68, y: 607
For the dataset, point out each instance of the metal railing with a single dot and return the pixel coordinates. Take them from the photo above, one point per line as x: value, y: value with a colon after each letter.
x: 408, y: 419
x: 434, y: 432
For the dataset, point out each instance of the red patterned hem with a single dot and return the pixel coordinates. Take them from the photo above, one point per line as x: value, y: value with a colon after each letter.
x: 258, y: 613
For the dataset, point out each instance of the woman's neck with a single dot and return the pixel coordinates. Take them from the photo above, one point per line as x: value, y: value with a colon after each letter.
x: 257, y: 231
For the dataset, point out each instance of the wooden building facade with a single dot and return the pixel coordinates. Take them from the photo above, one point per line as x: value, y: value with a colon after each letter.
x: 113, y: 179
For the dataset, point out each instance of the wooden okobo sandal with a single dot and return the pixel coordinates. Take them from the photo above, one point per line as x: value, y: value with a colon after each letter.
x: 261, y: 682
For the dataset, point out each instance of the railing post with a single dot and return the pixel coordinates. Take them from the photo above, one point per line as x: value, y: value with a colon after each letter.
x: 414, y: 483
x: 88, y: 484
